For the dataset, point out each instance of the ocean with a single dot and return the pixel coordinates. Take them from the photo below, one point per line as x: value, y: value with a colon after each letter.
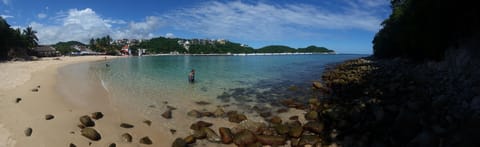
x: 150, y: 81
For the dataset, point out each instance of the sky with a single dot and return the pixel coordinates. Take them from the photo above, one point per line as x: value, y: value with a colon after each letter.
x: 346, y: 26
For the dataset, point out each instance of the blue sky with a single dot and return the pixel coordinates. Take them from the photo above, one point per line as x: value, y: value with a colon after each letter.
x: 346, y: 26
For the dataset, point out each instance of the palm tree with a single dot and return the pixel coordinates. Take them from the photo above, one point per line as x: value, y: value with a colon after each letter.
x: 30, y: 37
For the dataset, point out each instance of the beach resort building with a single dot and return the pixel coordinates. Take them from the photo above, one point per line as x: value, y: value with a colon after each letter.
x: 46, y: 51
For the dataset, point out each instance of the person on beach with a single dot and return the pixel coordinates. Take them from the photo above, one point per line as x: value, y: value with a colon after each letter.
x: 191, y: 76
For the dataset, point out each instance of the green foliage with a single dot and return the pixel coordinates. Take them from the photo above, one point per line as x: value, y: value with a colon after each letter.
x: 66, y: 48
x: 314, y: 49
x: 276, y: 49
x: 228, y: 47
x: 286, y: 49
x: 424, y: 29
x: 161, y: 45
x: 14, y: 42
x: 104, y: 44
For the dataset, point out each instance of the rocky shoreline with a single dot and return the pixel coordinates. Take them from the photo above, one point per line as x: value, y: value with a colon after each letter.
x: 368, y: 102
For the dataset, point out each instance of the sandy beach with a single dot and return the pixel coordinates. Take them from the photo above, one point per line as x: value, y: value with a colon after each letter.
x: 69, y: 98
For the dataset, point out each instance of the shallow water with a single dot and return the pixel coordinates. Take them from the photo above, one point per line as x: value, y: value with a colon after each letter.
x: 145, y: 81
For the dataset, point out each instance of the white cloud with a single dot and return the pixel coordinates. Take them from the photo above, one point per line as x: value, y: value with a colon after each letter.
x: 82, y: 25
x: 169, y: 35
x: 6, y: 16
x: 41, y: 15
x: 262, y: 21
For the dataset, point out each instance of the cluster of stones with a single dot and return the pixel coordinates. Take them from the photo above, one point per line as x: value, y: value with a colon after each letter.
x: 87, y: 130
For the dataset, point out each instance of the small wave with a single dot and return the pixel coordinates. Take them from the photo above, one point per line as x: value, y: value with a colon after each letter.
x: 104, y: 86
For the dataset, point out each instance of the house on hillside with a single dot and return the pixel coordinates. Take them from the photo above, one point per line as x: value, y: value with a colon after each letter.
x: 46, y: 51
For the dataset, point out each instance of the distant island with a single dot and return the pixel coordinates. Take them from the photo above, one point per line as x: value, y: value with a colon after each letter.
x: 162, y: 45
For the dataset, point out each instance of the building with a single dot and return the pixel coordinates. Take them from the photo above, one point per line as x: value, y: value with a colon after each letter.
x: 46, y: 51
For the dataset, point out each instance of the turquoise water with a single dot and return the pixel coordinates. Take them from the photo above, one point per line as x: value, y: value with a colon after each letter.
x: 151, y: 80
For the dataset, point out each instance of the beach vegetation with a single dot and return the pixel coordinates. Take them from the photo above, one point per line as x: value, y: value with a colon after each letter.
x: 425, y: 29
x: 16, y: 42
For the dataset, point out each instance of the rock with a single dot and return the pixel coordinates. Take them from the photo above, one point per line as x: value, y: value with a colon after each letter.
x: 199, y: 134
x: 271, y: 140
x: 226, y: 135
x: 126, y: 125
x: 167, y: 114
x: 207, y: 114
x: 293, y: 118
x: 86, y: 121
x: 173, y: 131
x: 203, y: 124
x: 97, y: 115
x: 237, y: 118
x: 211, y: 135
x: 255, y: 144
x: 251, y: 125
x: 318, y: 85
x: 179, y: 142
x: 202, y: 103
x: 194, y: 113
x: 18, y: 100
x: 112, y: 145
x: 315, y: 127
x: 126, y: 137
x: 49, y: 117
x: 281, y: 129
x: 81, y: 126
x: 295, y: 131
x: 72, y: 145
x: 282, y: 110
x: 35, y: 90
x: 219, y: 112
x: 148, y: 122
x: 28, y: 132
x: 309, y: 140
x: 91, y: 134
x: 266, y: 114
x: 311, y: 115
x: 275, y: 120
x: 243, y: 138
x: 189, y: 139
x: 146, y: 140
x: 171, y: 107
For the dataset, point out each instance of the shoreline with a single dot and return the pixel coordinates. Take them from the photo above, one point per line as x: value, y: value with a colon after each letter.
x: 62, y: 130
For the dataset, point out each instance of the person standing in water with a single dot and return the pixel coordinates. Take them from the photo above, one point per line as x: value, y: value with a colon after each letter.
x: 191, y: 76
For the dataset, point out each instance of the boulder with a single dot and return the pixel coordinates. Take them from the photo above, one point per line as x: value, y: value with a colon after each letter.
x: 311, y: 115
x: 179, y: 142
x: 97, y: 115
x: 243, y: 138
x: 148, y: 122
x: 189, y: 139
x: 315, y: 127
x: 167, y: 114
x: 237, y: 118
x: 211, y: 135
x: 295, y: 131
x: 309, y: 140
x: 28, y: 132
x: 49, y: 117
x: 86, y: 121
x: 146, y: 140
x: 281, y: 129
x: 266, y: 114
x: 271, y: 140
x: 112, y: 145
x: 18, y: 100
x: 126, y: 125
x: 91, y: 134
x: 199, y: 134
x: 202, y: 103
x: 203, y: 124
x: 226, y: 135
x: 219, y: 112
x: 194, y: 113
x: 275, y: 120
x: 126, y: 137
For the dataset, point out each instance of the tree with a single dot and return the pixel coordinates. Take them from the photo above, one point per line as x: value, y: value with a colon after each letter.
x: 30, y: 38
